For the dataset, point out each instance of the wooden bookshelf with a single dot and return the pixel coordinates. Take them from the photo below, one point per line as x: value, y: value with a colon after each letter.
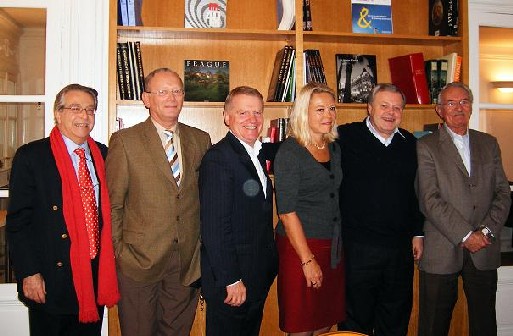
x: 250, y: 42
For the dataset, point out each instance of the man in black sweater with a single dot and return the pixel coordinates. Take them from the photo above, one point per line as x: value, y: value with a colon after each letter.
x: 381, y: 221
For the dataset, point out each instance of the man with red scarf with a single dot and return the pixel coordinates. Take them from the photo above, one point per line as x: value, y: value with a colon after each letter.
x: 60, y: 240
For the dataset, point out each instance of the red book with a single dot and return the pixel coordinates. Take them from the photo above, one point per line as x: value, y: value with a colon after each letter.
x: 408, y: 74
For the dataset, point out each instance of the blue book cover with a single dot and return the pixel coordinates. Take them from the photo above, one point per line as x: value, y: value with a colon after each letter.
x: 372, y: 16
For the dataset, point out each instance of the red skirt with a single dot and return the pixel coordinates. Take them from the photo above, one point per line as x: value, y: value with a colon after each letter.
x: 305, y: 308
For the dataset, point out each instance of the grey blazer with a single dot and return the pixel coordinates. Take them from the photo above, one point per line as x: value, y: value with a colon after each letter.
x: 455, y: 203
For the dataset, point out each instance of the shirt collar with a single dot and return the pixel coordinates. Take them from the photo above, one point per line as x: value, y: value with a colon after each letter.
x: 453, y: 135
x: 253, y: 151
x: 71, y: 146
x: 383, y: 140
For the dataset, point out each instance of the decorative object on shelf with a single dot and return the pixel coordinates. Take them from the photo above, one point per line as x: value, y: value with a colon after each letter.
x: 205, y: 13
x: 356, y: 77
x: 408, y: 74
x: 372, y: 16
x: 129, y: 12
x: 286, y: 14
x: 443, y: 17
x: 206, y: 80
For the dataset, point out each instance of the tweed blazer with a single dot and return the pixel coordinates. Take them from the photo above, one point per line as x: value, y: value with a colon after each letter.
x: 455, y: 203
x: 151, y: 214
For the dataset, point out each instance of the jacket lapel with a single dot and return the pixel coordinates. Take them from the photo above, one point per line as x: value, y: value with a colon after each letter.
x: 153, y: 144
x: 449, y: 148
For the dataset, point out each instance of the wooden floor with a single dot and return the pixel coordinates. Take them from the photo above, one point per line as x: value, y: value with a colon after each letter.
x: 270, y: 326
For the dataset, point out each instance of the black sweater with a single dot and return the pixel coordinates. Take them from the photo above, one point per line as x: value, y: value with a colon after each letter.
x: 377, y: 195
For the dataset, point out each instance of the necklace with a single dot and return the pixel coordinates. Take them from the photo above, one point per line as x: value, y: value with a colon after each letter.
x: 321, y: 146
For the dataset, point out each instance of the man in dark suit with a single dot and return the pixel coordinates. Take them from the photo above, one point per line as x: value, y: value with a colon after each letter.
x: 152, y: 172
x: 381, y: 221
x: 58, y: 223
x: 465, y: 196
x: 238, y: 253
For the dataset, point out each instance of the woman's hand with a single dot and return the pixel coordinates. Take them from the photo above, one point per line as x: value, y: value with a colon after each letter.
x: 313, y: 273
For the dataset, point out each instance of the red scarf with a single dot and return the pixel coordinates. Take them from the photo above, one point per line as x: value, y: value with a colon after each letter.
x: 73, y: 212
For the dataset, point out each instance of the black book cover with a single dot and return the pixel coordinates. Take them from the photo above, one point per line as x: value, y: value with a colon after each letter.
x: 356, y: 77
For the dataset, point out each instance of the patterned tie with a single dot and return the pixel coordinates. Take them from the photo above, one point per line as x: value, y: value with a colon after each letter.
x: 172, y: 156
x: 89, y: 202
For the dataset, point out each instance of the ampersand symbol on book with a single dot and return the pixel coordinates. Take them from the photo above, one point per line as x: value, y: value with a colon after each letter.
x: 362, y: 22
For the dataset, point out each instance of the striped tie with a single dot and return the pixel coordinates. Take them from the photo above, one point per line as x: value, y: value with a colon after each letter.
x: 172, y: 156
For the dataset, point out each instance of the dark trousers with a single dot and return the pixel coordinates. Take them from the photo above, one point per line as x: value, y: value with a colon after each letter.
x: 379, y: 289
x: 42, y: 323
x: 438, y: 294
x: 225, y: 320
x: 163, y: 307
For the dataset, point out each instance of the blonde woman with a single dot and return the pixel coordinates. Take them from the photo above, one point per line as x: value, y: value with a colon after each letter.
x: 308, y: 174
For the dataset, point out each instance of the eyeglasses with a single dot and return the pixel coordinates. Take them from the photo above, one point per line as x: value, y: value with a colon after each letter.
x: 78, y: 109
x: 451, y: 104
x: 166, y: 93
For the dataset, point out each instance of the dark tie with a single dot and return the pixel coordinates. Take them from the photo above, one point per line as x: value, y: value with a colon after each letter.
x: 172, y: 156
x: 89, y: 203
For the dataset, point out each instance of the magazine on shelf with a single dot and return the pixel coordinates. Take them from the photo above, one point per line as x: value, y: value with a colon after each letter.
x: 372, y: 16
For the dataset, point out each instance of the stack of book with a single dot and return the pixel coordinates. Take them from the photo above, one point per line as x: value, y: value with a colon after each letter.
x: 277, y: 131
x: 282, y: 87
x: 443, y: 17
x: 440, y: 71
x: 312, y: 67
x: 129, y: 13
x: 130, y: 71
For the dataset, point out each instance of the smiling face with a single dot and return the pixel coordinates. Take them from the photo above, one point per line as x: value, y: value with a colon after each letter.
x: 385, y: 112
x: 164, y: 109
x: 321, y: 115
x: 75, y: 126
x: 455, y: 109
x: 244, y: 117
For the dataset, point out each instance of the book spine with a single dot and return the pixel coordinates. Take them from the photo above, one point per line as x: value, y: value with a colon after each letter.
x: 442, y: 80
x: 457, y: 69
x: 126, y: 71
x: 140, y: 69
x: 407, y: 72
x: 123, y: 10
x: 322, y: 75
x: 282, y: 73
x: 432, y: 78
x: 307, y: 16
x: 419, y: 78
x: 134, y: 79
x: 273, y: 83
x: 131, y: 12
x: 120, y: 73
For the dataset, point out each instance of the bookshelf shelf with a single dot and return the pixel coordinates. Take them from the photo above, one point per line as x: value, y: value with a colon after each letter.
x: 204, y: 104
x: 379, y: 39
x: 158, y: 33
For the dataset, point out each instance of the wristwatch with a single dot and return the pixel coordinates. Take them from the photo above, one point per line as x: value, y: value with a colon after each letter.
x: 487, y: 232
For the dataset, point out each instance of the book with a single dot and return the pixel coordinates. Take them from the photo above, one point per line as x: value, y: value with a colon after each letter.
x: 443, y: 17
x: 431, y: 68
x: 371, y: 16
x: 453, y: 67
x: 286, y: 14
x: 139, y: 67
x: 206, y: 80
x: 307, y: 16
x: 120, y: 71
x: 205, y: 13
x: 125, y: 72
x: 356, y: 77
x: 122, y: 13
x: 278, y: 76
x: 133, y: 8
x: 313, y: 67
x: 408, y: 74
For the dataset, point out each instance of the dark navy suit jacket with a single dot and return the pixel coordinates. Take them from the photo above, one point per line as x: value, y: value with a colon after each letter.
x: 236, y: 222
